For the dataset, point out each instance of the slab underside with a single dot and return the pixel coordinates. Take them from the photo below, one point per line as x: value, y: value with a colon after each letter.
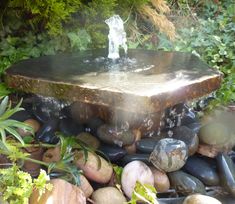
x: 155, y: 81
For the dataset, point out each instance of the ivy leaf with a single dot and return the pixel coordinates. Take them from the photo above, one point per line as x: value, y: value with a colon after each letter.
x: 79, y: 40
x: 145, y: 193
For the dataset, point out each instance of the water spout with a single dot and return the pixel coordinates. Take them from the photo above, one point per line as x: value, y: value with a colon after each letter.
x: 117, y: 36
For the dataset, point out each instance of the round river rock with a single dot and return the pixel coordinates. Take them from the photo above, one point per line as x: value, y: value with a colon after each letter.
x: 185, y: 183
x: 215, y: 133
x: 95, y: 168
x: 202, y: 170
x: 169, y: 155
x: 161, y: 180
x: 89, y: 140
x: 108, y: 195
x: 135, y: 171
x: 114, y: 153
x: 200, y: 199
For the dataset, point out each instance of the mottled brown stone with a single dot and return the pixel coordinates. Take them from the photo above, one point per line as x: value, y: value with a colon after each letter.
x: 165, y: 79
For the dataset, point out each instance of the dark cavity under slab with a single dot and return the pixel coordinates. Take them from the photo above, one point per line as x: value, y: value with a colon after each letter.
x: 145, y: 82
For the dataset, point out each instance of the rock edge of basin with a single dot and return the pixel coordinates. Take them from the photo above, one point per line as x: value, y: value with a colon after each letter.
x: 145, y: 91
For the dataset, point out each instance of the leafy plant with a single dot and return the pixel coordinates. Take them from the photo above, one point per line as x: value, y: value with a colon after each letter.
x: 12, y: 147
x: 210, y: 36
x: 16, y: 186
x: 9, y: 125
x: 67, y: 145
x: 40, y: 15
x: 143, y: 193
x: 13, y: 151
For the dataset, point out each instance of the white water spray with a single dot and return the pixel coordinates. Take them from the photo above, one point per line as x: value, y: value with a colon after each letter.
x: 117, y: 36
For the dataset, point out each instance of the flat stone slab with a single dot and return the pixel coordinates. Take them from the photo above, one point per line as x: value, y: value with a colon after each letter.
x: 146, y: 82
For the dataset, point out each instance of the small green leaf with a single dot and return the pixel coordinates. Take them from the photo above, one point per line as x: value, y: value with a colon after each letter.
x: 3, y: 105
x: 15, y: 134
x: 28, y: 139
x: 145, y: 193
x: 118, y: 171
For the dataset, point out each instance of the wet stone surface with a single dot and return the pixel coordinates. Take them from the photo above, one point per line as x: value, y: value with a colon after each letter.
x: 147, y: 145
x: 148, y: 80
x: 202, y: 170
x: 114, y: 153
x: 169, y: 155
x: 188, y: 136
x: 113, y: 135
x: 227, y: 172
x: 185, y: 183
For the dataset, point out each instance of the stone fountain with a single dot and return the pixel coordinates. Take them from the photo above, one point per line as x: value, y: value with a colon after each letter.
x: 134, y: 90
x: 131, y: 92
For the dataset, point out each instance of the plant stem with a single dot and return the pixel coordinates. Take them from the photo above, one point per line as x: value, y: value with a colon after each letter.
x: 34, y: 145
x: 43, y: 163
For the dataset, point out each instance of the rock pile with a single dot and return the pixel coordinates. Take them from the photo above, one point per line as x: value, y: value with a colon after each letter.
x: 189, y: 158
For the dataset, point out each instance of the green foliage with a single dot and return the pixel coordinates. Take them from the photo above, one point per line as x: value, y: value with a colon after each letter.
x: 4, y: 90
x: 67, y: 154
x: 16, y: 186
x: 13, y: 152
x: 211, y: 37
x: 94, y: 14
x: 12, y: 148
x: 118, y: 172
x: 41, y: 183
x: 47, y: 15
x: 79, y: 40
x: 9, y: 125
x: 13, y: 49
x: 144, y: 193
